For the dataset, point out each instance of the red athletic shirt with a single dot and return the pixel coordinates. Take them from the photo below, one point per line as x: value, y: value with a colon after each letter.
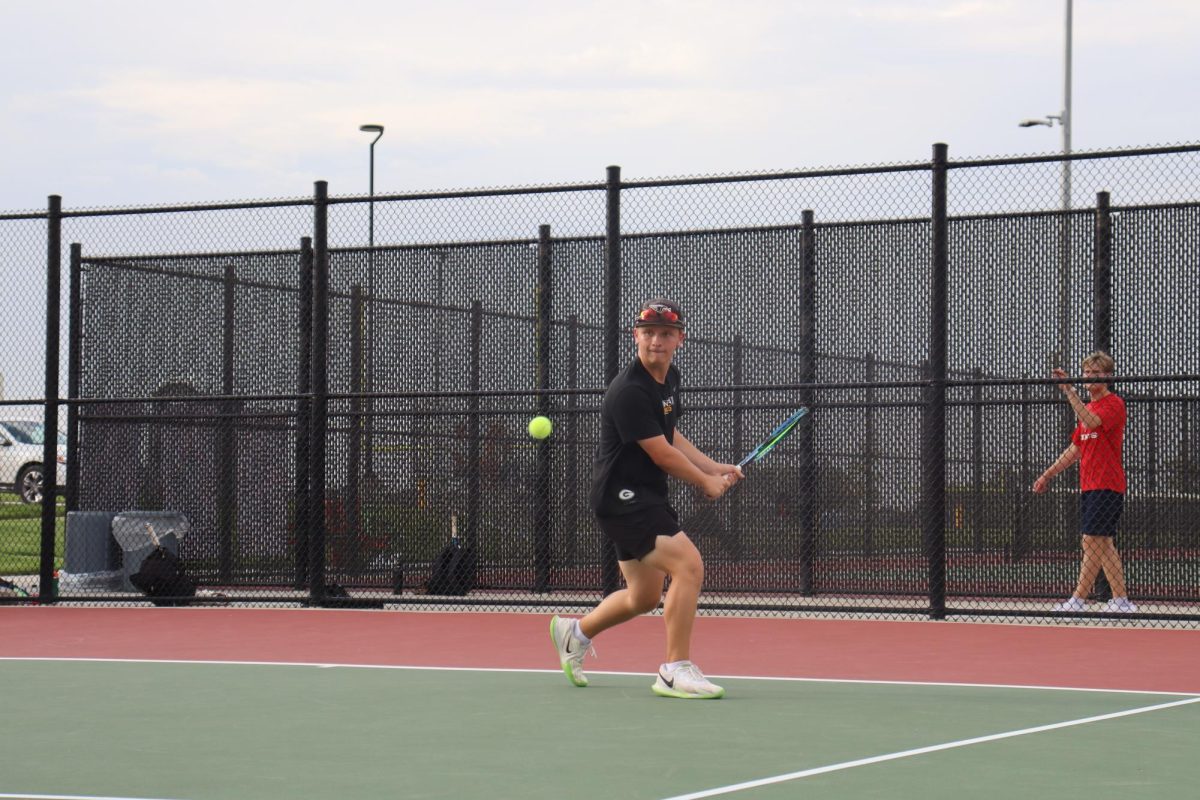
x: 1100, y: 449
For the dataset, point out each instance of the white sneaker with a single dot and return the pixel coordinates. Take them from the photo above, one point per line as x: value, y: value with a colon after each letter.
x: 1121, y: 605
x: 570, y: 649
x: 1072, y: 603
x: 686, y: 681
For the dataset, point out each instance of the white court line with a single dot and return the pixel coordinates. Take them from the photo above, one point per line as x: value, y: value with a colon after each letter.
x: 791, y: 776
x: 71, y: 797
x: 328, y: 665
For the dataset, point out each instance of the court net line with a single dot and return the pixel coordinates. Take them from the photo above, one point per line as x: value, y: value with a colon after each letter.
x: 862, y: 762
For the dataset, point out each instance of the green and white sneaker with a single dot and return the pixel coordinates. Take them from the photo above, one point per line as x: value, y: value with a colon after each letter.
x: 570, y: 649
x: 685, y: 681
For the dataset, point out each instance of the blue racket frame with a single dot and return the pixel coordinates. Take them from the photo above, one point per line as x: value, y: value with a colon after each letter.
x: 775, y: 437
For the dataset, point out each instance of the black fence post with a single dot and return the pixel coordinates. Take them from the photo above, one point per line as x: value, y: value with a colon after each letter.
x: 609, y: 576
x: 870, y: 456
x: 226, y: 443
x: 933, y: 421
x: 738, y: 377
x: 352, y: 498
x: 304, y: 326
x: 1102, y: 319
x: 46, y: 587
x: 1188, y: 468
x: 1022, y: 538
x: 541, y: 513
x: 572, y: 509
x: 473, y: 428
x: 1150, y: 539
x: 319, y: 418
x: 1102, y: 276
x: 977, y: 515
x: 807, y: 456
x: 74, y: 372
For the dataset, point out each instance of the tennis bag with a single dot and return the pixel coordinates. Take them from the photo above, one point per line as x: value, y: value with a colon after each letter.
x: 161, y: 577
x: 453, y: 570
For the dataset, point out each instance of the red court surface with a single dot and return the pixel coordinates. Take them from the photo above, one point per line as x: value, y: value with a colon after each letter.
x: 1142, y: 659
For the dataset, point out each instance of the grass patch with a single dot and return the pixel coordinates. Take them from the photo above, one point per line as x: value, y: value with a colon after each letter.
x: 21, y: 536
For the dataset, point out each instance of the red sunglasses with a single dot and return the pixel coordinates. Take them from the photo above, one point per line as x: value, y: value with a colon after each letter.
x: 658, y: 313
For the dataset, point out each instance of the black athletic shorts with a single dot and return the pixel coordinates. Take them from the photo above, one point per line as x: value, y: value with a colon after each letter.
x: 633, y: 534
x: 1100, y: 511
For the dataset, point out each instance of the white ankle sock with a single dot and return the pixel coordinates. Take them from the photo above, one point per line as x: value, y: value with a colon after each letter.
x: 578, y: 631
x: 674, y: 665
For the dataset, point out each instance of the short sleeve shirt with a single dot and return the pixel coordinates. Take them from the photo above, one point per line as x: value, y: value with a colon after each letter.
x: 636, y: 406
x: 1100, y: 448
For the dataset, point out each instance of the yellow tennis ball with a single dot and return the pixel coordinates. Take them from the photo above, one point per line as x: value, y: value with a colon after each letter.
x: 540, y: 427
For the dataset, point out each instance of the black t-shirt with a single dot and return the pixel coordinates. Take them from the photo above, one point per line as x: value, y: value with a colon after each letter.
x: 636, y: 406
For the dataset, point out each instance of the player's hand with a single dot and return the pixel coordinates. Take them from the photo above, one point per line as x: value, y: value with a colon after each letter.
x: 1041, y: 485
x: 714, y: 486
x: 730, y: 472
x: 1058, y: 372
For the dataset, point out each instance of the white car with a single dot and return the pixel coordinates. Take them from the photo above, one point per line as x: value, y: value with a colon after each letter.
x: 21, y: 443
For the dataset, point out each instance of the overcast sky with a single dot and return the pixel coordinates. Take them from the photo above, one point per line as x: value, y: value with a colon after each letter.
x: 129, y: 102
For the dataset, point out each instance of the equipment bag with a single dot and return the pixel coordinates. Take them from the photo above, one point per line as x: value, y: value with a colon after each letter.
x: 161, y: 577
x: 453, y: 570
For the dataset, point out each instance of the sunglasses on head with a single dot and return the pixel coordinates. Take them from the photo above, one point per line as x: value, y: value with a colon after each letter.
x: 658, y: 313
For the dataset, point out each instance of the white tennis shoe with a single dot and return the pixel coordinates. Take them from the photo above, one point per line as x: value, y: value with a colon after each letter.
x: 570, y: 649
x: 685, y: 681
x: 1072, y: 603
x: 1121, y: 605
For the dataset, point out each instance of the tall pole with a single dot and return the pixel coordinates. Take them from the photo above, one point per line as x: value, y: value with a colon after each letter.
x: 1065, y: 276
x: 369, y: 383
x: 47, y: 589
x: 1066, y: 114
x: 609, y: 571
x: 1063, y: 117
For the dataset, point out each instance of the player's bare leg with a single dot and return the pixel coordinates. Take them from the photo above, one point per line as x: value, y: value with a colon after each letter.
x: 678, y: 557
x: 678, y: 677
x: 1090, y: 568
x: 641, y: 595
x: 1110, y: 562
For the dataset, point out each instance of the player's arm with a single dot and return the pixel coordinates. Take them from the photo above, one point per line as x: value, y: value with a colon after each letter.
x: 702, y: 461
x: 1066, y: 459
x: 1090, y: 419
x: 674, y: 462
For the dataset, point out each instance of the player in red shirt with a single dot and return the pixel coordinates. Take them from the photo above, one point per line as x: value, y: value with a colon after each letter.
x: 1096, y: 444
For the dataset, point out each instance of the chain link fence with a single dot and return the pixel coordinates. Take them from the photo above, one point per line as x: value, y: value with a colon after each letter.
x: 333, y: 391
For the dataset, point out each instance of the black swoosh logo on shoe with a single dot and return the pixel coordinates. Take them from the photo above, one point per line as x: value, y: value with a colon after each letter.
x: 567, y: 647
x: 670, y: 682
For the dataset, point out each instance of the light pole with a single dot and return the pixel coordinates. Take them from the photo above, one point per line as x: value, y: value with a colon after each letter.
x: 369, y: 384
x: 378, y: 131
x: 1063, y: 118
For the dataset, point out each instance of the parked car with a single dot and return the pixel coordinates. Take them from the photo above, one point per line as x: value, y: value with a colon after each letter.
x: 21, y: 450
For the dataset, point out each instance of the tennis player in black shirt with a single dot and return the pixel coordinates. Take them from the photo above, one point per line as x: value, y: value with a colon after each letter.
x: 639, y: 447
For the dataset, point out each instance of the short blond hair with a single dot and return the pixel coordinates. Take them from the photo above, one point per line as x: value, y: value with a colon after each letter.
x: 1099, y: 360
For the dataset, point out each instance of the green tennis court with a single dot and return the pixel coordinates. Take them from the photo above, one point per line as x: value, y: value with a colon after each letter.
x: 206, y: 731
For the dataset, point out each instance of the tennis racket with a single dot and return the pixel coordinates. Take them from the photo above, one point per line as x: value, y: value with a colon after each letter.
x: 10, y: 589
x: 775, y: 437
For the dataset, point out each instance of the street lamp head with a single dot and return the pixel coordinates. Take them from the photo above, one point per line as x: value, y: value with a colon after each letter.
x: 371, y: 128
x: 1029, y: 123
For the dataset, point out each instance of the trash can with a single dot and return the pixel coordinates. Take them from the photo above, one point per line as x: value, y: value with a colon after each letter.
x: 137, y: 533
x: 89, y: 545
